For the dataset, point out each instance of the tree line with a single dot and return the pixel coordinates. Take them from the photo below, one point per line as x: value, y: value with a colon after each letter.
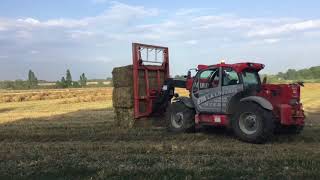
x: 312, y: 73
x: 309, y: 75
x: 32, y: 82
x: 67, y: 82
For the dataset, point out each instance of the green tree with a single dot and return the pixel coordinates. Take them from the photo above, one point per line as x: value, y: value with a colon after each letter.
x: 312, y: 73
x: 32, y: 79
x: 63, y: 80
x: 7, y: 85
x: 62, y: 83
x: 315, y: 72
x: 281, y: 75
x: 83, y: 80
x: 75, y: 84
x: 68, y: 79
x: 20, y: 84
x: 291, y: 74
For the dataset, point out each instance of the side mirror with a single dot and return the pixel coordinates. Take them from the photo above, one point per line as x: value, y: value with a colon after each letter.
x: 264, y: 81
x: 189, y: 75
x: 301, y: 83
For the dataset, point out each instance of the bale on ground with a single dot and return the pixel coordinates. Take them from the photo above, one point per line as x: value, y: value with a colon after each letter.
x: 124, y: 117
x: 7, y: 99
x: 36, y: 98
x: 122, y: 97
x: 18, y: 98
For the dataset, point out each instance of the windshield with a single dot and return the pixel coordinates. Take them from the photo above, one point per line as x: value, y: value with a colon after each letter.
x: 250, y: 78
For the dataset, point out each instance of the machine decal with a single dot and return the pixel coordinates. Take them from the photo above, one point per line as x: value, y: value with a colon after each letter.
x: 209, y: 100
x: 227, y: 97
x: 216, y: 99
x: 227, y: 91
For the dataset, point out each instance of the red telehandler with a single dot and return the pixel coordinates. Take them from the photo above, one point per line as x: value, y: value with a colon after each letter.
x: 225, y: 95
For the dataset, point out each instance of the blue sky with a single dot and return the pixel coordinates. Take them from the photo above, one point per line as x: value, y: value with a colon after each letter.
x: 93, y: 36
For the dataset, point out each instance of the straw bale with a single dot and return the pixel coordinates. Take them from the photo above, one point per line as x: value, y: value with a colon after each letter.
x: 124, y: 117
x: 122, y: 76
x: 122, y: 97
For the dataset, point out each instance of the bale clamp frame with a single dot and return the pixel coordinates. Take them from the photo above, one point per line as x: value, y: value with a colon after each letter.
x: 148, y: 59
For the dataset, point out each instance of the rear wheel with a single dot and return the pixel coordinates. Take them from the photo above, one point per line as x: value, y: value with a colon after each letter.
x: 181, y: 118
x: 252, y: 123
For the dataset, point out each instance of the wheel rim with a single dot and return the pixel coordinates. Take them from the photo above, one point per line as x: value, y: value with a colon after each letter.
x: 177, y: 120
x: 248, y: 123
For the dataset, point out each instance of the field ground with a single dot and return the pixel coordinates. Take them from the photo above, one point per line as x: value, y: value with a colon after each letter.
x: 73, y: 137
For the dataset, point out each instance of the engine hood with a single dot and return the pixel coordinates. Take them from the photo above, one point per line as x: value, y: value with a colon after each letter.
x: 281, y: 93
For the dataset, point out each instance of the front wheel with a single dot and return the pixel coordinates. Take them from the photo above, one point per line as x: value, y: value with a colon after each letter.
x: 181, y: 118
x: 252, y: 123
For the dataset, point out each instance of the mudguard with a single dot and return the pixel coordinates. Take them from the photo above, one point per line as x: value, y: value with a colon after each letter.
x: 186, y: 101
x: 260, y: 100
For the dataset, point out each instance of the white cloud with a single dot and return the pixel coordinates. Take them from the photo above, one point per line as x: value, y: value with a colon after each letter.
x: 107, y: 36
x: 22, y: 34
x: 122, y: 22
x: 222, y: 21
x: 286, y: 28
x: 78, y: 34
x: 312, y: 34
x: 66, y: 23
x: 3, y: 24
x: 123, y: 11
x: 271, y: 41
x: 191, y: 42
x: 29, y: 20
x: 117, y: 13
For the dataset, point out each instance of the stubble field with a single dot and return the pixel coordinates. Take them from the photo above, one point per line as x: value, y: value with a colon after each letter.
x: 70, y: 134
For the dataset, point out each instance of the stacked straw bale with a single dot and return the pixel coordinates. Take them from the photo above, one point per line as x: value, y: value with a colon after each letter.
x: 123, y: 99
x: 122, y: 96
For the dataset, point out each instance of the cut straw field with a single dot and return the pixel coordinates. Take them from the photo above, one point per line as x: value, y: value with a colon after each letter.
x: 70, y: 134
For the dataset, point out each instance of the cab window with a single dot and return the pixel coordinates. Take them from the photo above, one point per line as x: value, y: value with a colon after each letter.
x: 230, y: 77
x: 209, y: 79
x: 250, y: 78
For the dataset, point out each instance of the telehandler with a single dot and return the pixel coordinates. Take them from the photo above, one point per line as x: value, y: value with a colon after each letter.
x: 225, y: 95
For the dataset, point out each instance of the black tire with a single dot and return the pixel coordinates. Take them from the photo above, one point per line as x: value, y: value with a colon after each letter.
x: 180, y: 118
x: 253, y: 124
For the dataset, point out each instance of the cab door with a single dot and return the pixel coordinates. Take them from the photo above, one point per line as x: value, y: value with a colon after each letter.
x: 206, y: 91
x: 230, y: 87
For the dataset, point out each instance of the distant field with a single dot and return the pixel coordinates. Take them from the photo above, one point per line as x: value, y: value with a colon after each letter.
x: 88, y: 83
x: 311, y: 97
x: 69, y: 134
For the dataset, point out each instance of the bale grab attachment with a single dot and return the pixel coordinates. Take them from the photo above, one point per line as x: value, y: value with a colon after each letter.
x: 150, y: 71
